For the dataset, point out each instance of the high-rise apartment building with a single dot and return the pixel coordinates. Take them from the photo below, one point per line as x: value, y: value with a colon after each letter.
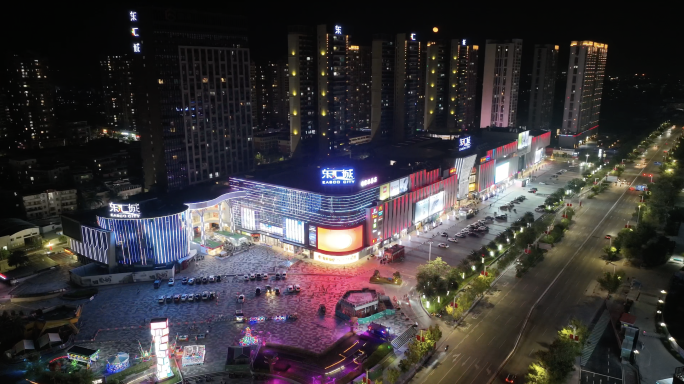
x: 397, y: 87
x: 500, y: 83
x: 269, y: 94
x: 544, y: 68
x: 194, y: 105
x: 436, y: 85
x: 359, y: 87
x: 318, y: 64
x: 584, y: 87
x: 463, y: 85
x: 31, y: 100
x: 118, y: 95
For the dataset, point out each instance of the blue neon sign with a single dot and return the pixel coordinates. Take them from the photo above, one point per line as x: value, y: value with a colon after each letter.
x: 463, y: 143
x: 337, y: 176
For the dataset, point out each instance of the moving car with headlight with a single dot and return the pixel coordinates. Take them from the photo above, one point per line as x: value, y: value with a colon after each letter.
x: 443, y: 245
x: 451, y: 239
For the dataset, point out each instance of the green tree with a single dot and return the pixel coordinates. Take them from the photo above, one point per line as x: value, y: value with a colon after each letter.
x: 4, y: 254
x: 17, y: 258
x: 482, y: 283
x: 435, y: 267
x: 453, y: 279
x: 393, y: 375
x: 434, y: 333
x: 611, y: 281
x: 610, y: 253
x: 537, y: 374
x: 657, y: 251
x: 62, y: 239
x: 559, y: 360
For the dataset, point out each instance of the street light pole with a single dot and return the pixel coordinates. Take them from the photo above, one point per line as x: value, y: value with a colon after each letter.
x: 430, y: 251
x: 639, y: 214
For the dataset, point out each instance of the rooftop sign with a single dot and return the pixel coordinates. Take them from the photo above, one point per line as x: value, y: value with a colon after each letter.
x: 337, y: 176
x: 124, y: 211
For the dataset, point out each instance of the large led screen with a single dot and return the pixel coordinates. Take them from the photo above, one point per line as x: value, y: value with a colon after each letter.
x: 538, y: 155
x: 422, y: 210
x: 437, y: 203
x: 523, y: 139
x: 394, y: 188
x: 501, y: 172
x: 340, y: 240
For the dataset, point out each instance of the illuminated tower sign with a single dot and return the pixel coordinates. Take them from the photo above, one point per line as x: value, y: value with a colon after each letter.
x: 337, y: 176
x: 160, y: 335
x: 135, y: 31
x: 338, y: 30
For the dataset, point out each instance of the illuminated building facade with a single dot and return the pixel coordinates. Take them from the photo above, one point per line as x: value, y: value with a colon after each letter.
x: 583, y: 90
x: 191, y: 72
x: 544, y: 66
x: 159, y: 328
x: 338, y: 224
x: 436, y: 86
x: 318, y: 64
x: 500, y: 83
x: 359, y: 87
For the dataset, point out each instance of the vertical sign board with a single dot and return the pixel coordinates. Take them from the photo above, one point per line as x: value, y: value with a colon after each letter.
x: 135, y: 31
x: 160, y: 335
x: 375, y: 217
x: 384, y: 192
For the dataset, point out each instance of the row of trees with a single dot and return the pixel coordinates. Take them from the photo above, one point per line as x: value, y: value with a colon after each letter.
x: 420, y: 347
x: 555, y: 364
x: 15, y: 258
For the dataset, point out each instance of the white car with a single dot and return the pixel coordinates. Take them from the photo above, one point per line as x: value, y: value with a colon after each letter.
x: 241, y: 298
x: 453, y: 240
x: 290, y: 288
x: 246, y: 277
x: 283, y: 274
x: 443, y: 245
x: 461, y: 235
x: 171, y: 282
x: 191, y: 297
x: 252, y: 276
x: 264, y: 276
x: 212, y: 279
x: 184, y: 297
x: 297, y: 288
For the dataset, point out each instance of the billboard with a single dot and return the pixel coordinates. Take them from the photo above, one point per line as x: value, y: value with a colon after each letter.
x: 404, y: 185
x: 538, y: 155
x: 294, y: 230
x: 501, y: 172
x: 523, y: 139
x: 340, y: 240
x: 437, y: 203
x: 422, y: 210
x: 463, y: 143
x: 337, y: 176
x: 384, y: 191
x: 394, y: 188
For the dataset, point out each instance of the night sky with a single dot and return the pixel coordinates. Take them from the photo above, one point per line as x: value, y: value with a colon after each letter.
x: 643, y: 40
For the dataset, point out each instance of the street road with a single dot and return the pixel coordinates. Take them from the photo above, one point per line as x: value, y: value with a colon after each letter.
x: 482, y: 344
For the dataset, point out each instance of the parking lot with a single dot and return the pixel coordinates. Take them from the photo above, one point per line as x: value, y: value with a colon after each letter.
x: 419, y: 247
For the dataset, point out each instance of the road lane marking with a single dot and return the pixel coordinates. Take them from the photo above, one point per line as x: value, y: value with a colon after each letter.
x: 490, y: 342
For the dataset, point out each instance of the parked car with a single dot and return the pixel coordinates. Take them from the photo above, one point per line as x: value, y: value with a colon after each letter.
x: 205, y: 280
x: 277, y: 275
x: 460, y: 234
x: 252, y: 276
x: 184, y: 297
x: 191, y: 281
x: 169, y: 298
x: 197, y: 297
x: 297, y: 288
x: 490, y: 218
x: 171, y: 282
x: 443, y: 245
x: 184, y: 280
x: 472, y: 233
x: 290, y: 288
x: 257, y: 291
x: 276, y: 290
x: 176, y: 298
x: 608, y: 237
x: 241, y: 299
x: 283, y: 274
x: 246, y: 277
x: 444, y: 234
x: 162, y: 299
x: 451, y: 239
x: 191, y: 297
x: 268, y: 289
x: 239, y: 316
x: 258, y: 276
x: 212, y: 295
x: 218, y: 278
x: 212, y: 279
x: 264, y: 276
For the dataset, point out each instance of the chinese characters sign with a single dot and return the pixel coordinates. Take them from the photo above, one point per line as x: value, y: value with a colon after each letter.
x: 135, y: 31
x: 463, y: 143
x: 337, y: 176
x: 131, y: 211
x: 338, y: 30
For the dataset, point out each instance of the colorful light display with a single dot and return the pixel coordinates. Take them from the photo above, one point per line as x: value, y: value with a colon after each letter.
x: 248, y: 339
x: 340, y: 240
x: 160, y: 334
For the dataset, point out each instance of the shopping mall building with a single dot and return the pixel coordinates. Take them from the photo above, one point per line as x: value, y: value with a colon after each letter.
x: 335, y: 211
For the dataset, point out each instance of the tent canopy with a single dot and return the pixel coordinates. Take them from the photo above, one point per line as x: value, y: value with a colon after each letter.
x: 24, y: 345
x: 48, y: 338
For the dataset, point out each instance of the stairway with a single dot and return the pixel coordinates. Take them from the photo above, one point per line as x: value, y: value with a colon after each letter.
x: 594, y: 337
x: 404, y: 338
